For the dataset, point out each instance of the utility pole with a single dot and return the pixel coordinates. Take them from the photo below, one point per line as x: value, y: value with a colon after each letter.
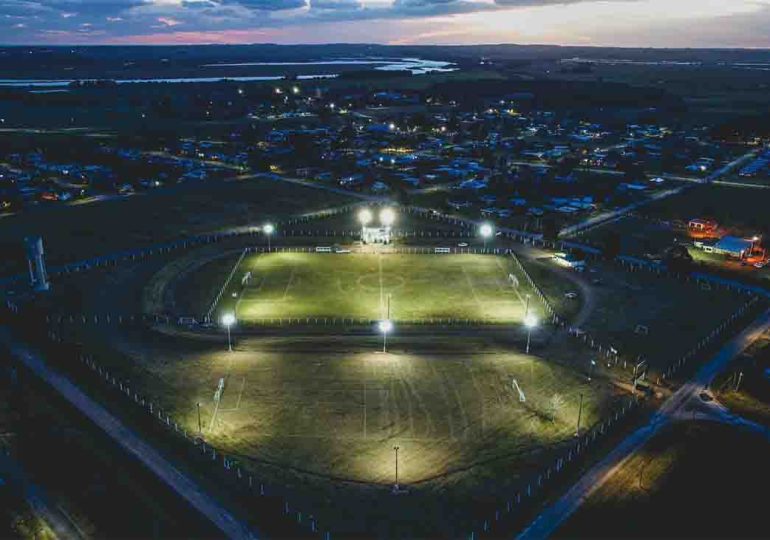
x: 580, y: 414
x: 200, y: 428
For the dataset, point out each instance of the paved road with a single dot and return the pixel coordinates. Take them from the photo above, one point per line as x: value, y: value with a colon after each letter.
x: 184, y: 486
x: 552, y: 517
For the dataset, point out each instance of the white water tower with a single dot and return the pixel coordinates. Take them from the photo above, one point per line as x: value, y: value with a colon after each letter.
x: 38, y: 277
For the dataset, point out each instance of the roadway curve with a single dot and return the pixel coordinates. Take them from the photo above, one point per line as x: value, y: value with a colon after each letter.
x: 553, y: 516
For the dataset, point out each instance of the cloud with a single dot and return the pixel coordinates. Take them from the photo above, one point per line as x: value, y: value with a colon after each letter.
x: 651, y: 22
x: 167, y: 21
x: 271, y: 5
x: 336, y: 5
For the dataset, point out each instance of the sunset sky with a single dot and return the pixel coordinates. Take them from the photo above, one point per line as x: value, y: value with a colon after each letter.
x: 647, y: 23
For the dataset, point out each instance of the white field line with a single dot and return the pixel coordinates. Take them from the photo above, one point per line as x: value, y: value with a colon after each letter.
x: 473, y: 289
x: 226, y: 283
x: 289, y: 283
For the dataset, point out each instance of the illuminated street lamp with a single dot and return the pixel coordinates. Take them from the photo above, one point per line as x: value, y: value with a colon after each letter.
x: 228, y: 319
x: 365, y: 217
x: 486, y: 231
x: 591, y: 369
x: 295, y: 89
x: 754, y: 240
x: 530, y: 321
x: 386, y: 327
x: 387, y: 217
x: 268, y: 229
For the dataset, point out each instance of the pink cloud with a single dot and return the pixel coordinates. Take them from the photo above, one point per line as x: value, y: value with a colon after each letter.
x: 168, y: 21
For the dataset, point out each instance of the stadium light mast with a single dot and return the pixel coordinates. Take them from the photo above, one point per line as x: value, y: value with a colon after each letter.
x: 486, y: 231
x: 530, y: 321
x: 385, y: 327
x: 387, y: 217
x: 268, y: 229
x: 228, y: 319
x: 364, y: 217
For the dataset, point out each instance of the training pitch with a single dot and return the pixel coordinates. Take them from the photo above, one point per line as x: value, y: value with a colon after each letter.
x: 374, y: 286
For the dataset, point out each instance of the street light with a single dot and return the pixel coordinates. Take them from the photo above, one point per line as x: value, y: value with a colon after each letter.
x: 486, y: 231
x: 268, y: 229
x: 228, y: 319
x: 387, y: 217
x: 365, y: 217
x: 395, y: 486
x: 385, y: 327
x: 591, y: 369
x: 530, y: 321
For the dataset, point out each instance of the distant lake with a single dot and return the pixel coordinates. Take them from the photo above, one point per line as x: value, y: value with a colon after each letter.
x: 416, y: 66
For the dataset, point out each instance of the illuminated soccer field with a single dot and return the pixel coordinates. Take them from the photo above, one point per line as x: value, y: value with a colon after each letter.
x: 357, y: 286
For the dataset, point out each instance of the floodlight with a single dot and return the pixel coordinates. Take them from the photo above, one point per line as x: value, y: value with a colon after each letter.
x: 386, y: 326
x: 268, y: 228
x: 387, y: 216
x: 228, y: 319
x: 530, y: 321
x: 365, y: 216
x: 486, y: 230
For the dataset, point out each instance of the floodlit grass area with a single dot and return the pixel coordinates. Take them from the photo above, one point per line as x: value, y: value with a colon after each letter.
x: 322, y: 414
x: 358, y: 285
x: 687, y: 482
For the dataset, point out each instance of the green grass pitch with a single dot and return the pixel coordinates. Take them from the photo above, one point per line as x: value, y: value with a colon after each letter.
x: 355, y: 285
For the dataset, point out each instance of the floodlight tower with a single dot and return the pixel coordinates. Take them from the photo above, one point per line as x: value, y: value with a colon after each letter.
x: 486, y: 231
x: 530, y: 321
x: 385, y: 327
x: 228, y: 319
x: 268, y: 229
x: 364, y: 217
x: 387, y: 218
